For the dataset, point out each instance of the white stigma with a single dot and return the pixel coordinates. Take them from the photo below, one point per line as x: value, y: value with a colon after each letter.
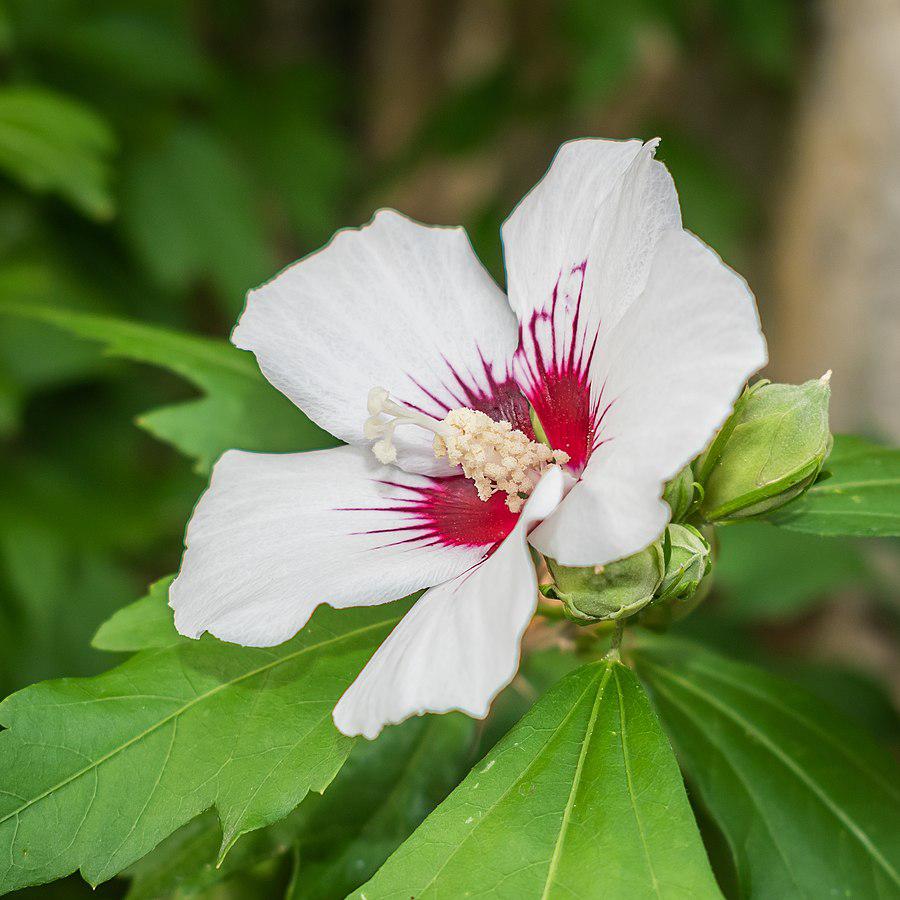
x: 496, y: 456
x: 379, y: 404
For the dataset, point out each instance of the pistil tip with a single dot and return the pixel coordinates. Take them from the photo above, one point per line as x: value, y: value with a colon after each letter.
x: 385, y: 452
x: 376, y: 400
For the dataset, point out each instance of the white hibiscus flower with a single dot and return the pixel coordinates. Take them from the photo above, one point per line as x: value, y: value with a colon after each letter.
x: 626, y: 339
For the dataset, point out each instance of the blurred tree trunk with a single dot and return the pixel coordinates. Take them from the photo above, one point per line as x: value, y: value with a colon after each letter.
x: 418, y: 51
x: 422, y: 51
x: 838, y: 248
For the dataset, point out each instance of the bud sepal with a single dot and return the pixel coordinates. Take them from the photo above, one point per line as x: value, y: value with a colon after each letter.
x: 591, y: 594
x: 770, y: 450
x: 686, y: 581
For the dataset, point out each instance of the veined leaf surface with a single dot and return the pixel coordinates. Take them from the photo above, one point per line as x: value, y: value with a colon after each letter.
x: 861, y: 497
x: 808, y: 803
x: 95, y: 772
x: 583, y: 798
x: 240, y: 408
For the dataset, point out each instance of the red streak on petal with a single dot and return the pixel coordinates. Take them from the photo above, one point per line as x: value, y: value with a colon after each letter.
x: 557, y: 383
x: 447, y: 512
x: 501, y: 399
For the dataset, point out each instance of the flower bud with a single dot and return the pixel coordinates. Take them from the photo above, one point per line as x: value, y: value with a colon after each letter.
x: 614, y: 591
x: 688, y: 561
x: 679, y: 493
x: 768, y: 452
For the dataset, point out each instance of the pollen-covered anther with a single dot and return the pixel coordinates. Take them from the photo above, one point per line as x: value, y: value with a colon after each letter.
x: 496, y: 456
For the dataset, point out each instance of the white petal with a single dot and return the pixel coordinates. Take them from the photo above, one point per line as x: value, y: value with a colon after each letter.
x: 459, y: 645
x: 275, y: 535
x: 597, y: 213
x: 670, y: 371
x: 394, y: 304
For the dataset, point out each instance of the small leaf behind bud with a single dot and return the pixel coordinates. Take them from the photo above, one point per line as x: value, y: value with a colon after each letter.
x: 679, y: 493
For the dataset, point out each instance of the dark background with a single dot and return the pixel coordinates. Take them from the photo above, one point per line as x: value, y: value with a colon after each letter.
x: 178, y: 153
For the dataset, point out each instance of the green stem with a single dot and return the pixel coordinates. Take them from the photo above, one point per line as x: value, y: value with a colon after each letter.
x: 616, y: 640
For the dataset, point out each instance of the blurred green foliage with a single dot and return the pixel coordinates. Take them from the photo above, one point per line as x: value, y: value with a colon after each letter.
x: 160, y: 157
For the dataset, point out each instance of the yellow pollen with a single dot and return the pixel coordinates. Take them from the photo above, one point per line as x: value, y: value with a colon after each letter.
x: 496, y: 456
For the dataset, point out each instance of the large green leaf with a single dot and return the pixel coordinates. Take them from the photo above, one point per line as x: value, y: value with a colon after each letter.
x: 809, y: 804
x: 240, y: 408
x: 861, y: 496
x: 382, y: 793
x: 50, y: 142
x: 582, y: 798
x: 799, y: 570
x: 377, y: 799
x: 95, y: 772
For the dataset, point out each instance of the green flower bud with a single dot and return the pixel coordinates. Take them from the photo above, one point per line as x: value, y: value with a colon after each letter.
x: 688, y: 562
x: 768, y: 452
x: 615, y: 591
x: 679, y: 493
x: 689, y: 559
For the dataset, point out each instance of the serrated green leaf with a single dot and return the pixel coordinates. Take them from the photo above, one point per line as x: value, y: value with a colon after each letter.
x: 382, y: 793
x: 240, y: 408
x: 808, y: 803
x: 142, y: 625
x: 582, y: 798
x: 861, y: 497
x: 51, y: 143
x: 95, y: 772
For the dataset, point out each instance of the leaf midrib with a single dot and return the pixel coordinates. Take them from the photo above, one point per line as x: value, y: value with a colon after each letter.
x: 178, y: 712
x: 576, y: 783
x: 789, y: 763
x: 631, y: 795
x: 508, y: 791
